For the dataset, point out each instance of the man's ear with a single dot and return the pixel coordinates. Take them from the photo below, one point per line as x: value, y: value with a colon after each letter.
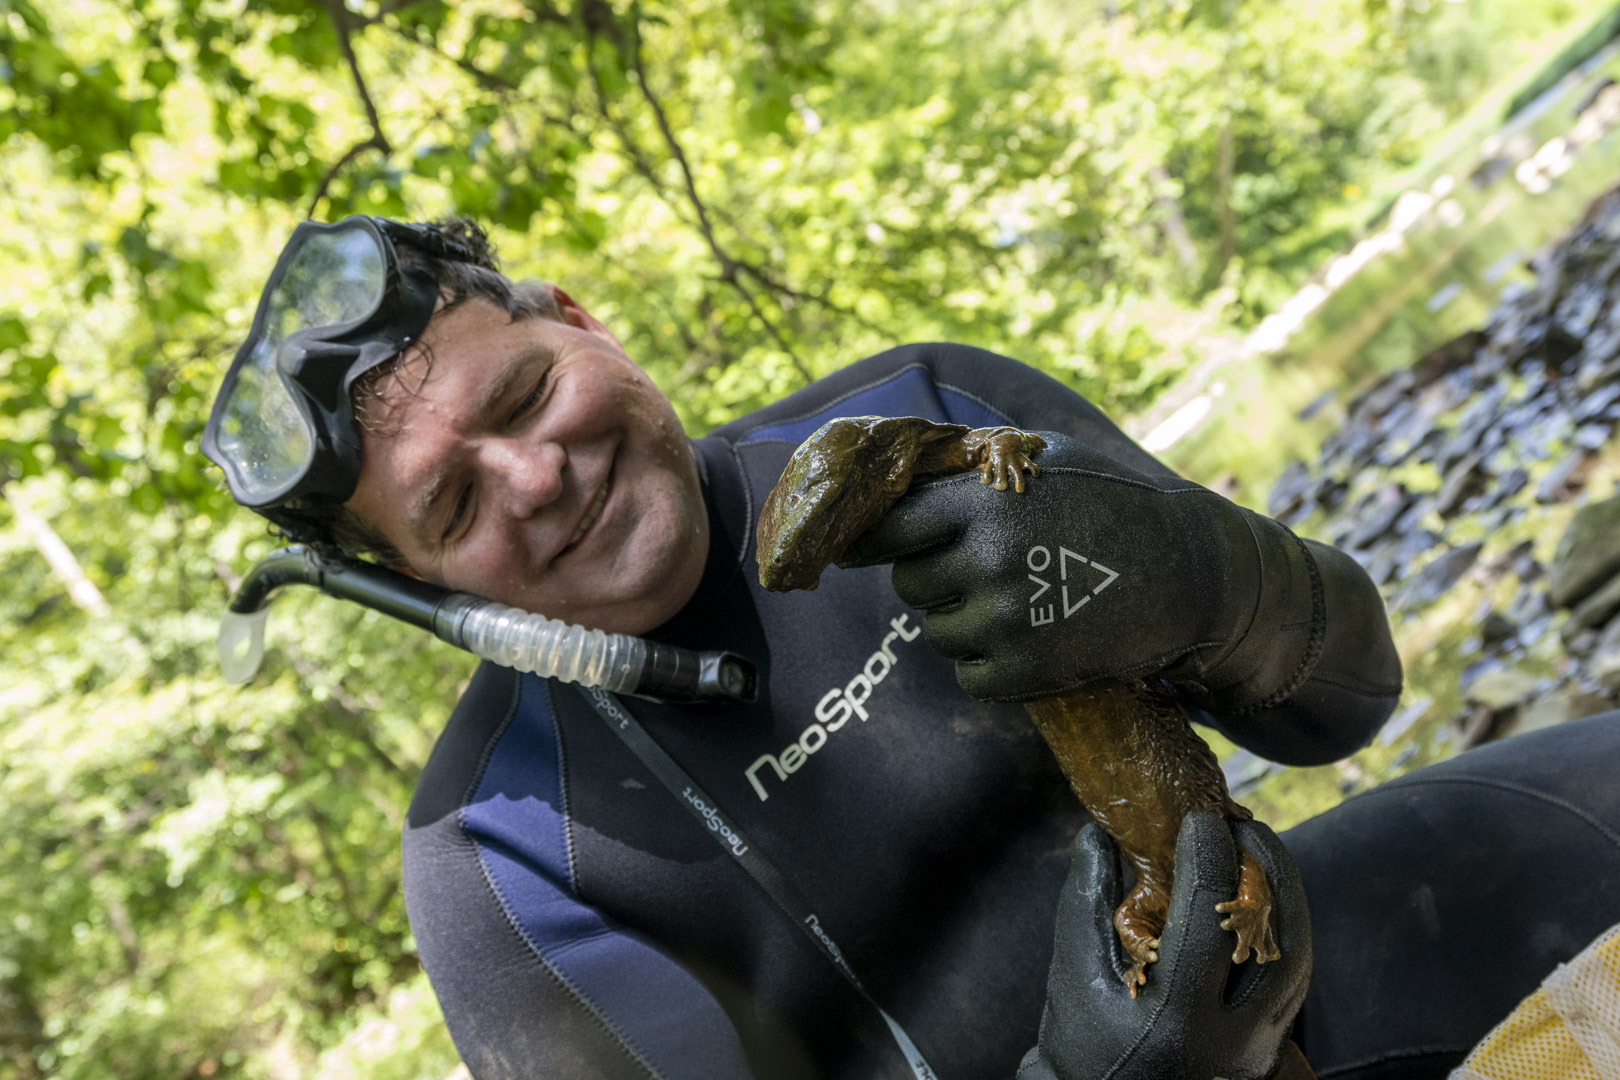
x: 580, y: 319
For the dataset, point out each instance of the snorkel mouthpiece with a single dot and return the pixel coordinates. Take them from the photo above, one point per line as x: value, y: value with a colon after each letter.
x: 503, y: 635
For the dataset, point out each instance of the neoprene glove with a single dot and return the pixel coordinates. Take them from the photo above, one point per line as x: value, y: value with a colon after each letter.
x: 1195, y: 1019
x: 1097, y: 571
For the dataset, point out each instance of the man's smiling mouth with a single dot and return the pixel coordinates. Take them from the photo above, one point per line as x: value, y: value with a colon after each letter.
x: 592, y: 512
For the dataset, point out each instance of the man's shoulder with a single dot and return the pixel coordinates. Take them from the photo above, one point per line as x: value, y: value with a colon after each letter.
x: 946, y: 383
x: 485, y: 709
x: 937, y: 380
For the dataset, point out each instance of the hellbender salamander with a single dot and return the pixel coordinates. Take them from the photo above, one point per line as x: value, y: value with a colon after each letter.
x: 1125, y: 746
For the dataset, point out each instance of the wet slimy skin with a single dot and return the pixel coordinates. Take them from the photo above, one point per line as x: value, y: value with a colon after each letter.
x: 1125, y: 746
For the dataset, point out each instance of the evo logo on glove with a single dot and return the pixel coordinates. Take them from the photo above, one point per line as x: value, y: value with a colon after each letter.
x: 1039, y: 560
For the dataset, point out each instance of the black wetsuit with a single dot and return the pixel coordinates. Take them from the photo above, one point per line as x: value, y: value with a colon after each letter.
x: 577, y: 921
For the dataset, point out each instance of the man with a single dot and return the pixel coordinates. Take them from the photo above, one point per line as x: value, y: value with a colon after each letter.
x: 574, y: 922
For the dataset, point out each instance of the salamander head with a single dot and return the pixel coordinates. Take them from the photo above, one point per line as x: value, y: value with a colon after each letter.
x: 832, y: 490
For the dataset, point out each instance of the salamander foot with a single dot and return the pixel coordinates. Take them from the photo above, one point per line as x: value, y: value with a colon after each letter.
x: 1138, y: 931
x: 1249, y: 915
x: 1004, y: 456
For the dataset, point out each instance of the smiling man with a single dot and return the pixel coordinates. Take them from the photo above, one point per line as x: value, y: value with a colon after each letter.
x: 529, y: 459
x: 892, y: 852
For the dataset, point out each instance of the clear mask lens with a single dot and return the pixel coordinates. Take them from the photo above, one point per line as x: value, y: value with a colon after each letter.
x: 333, y: 279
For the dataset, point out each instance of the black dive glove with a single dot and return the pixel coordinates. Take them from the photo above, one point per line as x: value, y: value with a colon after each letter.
x: 1097, y: 571
x: 1196, y: 1018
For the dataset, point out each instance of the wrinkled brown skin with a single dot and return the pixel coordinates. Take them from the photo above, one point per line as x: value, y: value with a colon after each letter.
x: 1125, y: 747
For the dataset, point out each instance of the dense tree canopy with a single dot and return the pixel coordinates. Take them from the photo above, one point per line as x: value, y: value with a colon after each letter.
x: 197, y: 880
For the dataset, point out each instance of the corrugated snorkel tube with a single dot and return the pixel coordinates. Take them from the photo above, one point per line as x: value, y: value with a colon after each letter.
x: 503, y: 635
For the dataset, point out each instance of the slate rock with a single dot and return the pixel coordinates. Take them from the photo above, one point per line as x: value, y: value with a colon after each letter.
x: 1381, y: 396
x: 1381, y: 563
x: 1499, y: 517
x: 1447, y: 358
x: 1597, y: 609
x: 1587, y: 555
x: 1510, y: 483
x: 1431, y: 583
x: 1289, y: 490
x: 1496, y: 629
x: 1528, y: 605
x: 1561, y: 481
x: 1413, y: 515
x: 1557, y: 707
x: 1591, y: 436
x: 1464, y: 481
x: 1318, y: 404
x: 1497, y: 566
x: 1604, y: 665
x: 1375, y: 514
x: 1581, y: 644
x: 1501, y: 689
x: 1408, y: 714
x: 1600, y: 399
x: 1244, y: 770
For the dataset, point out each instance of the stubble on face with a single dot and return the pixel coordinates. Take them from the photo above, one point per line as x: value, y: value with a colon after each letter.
x: 534, y: 463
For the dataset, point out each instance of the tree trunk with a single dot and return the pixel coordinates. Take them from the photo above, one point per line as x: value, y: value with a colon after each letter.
x: 67, y: 569
x: 1224, y: 164
x: 1226, y: 155
x: 1175, y: 224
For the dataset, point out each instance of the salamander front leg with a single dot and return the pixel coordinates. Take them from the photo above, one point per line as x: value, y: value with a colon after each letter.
x: 1004, y: 455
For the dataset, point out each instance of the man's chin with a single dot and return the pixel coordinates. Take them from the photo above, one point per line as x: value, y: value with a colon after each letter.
x: 615, y: 608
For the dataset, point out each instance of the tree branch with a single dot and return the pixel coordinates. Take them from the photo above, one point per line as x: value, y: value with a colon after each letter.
x: 382, y: 13
x: 340, y: 22
x: 753, y: 305
x: 341, y: 17
x: 323, y: 827
x: 376, y: 142
x: 487, y: 80
x: 352, y: 713
x: 730, y: 267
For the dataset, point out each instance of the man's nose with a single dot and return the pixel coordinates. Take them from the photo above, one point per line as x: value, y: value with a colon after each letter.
x: 529, y: 475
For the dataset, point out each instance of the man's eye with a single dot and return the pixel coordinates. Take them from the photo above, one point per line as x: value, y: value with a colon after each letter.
x: 458, y: 513
x: 530, y: 400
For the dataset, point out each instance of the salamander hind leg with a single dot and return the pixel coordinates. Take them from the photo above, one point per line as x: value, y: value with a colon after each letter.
x: 1249, y: 915
x: 1139, y: 921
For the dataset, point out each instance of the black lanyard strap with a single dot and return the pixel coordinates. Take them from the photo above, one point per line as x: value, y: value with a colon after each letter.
x: 734, y: 843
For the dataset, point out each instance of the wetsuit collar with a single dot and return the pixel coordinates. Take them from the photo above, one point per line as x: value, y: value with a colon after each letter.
x: 725, y: 497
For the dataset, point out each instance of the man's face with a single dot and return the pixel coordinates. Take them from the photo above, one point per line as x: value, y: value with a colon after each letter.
x: 534, y: 463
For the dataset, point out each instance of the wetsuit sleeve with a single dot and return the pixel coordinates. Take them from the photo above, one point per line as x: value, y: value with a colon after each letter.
x: 533, y: 981
x: 1333, y: 705
x: 1351, y: 689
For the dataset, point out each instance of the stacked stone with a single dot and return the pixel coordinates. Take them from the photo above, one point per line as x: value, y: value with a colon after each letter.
x: 1585, y: 578
x: 1510, y: 419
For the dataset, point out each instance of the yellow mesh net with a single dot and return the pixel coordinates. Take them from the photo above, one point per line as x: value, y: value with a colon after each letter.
x: 1567, y: 1030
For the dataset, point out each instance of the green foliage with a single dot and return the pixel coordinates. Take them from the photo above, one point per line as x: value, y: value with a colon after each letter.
x: 199, y: 880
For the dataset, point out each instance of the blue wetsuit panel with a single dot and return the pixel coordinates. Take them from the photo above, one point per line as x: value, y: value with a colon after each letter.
x: 516, y: 819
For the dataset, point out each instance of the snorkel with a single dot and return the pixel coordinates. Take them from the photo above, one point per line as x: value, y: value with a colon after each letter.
x: 339, y: 302
x: 500, y: 634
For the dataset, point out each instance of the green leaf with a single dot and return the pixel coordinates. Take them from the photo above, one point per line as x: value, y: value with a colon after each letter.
x: 96, y: 285
x: 159, y: 72
x: 13, y: 333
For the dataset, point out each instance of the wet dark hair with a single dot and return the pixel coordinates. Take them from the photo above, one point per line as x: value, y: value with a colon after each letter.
x: 346, y: 532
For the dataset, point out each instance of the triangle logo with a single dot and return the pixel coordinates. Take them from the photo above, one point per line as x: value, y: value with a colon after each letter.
x: 1079, y: 568
x: 1078, y: 580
